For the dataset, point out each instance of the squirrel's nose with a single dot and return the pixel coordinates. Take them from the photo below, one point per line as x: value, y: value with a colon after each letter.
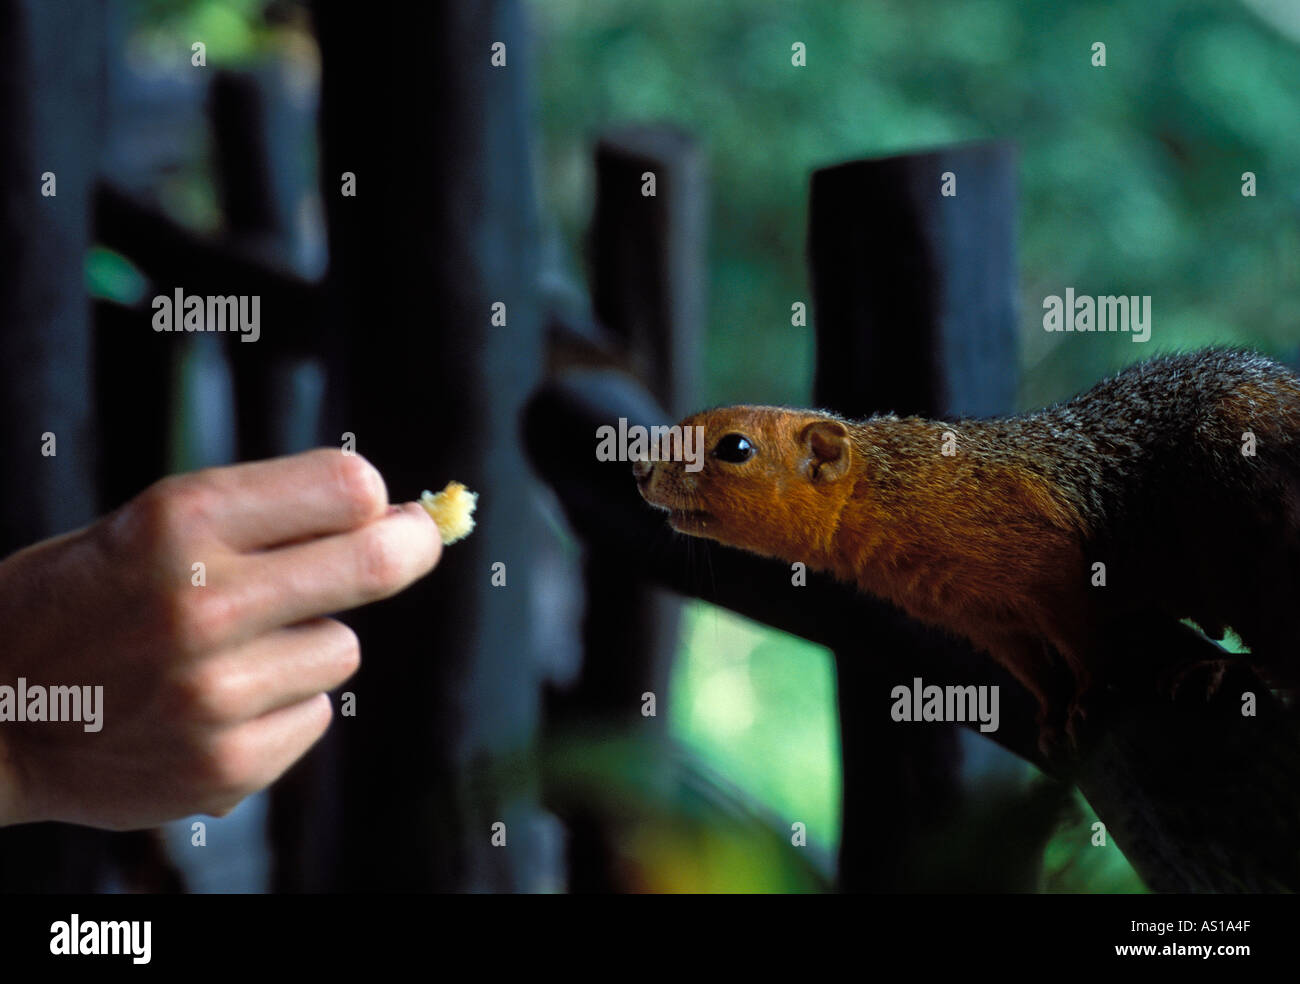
x: 641, y: 469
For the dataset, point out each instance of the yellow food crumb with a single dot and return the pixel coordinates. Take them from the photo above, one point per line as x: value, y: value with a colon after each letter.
x: 452, y: 509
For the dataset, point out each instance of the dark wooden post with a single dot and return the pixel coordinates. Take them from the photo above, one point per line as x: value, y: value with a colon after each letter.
x: 914, y: 305
x: 51, y: 115
x: 279, y: 382
x: 646, y: 254
x: 914, y: 291
x: 259, y: 130
x: 441, y: 228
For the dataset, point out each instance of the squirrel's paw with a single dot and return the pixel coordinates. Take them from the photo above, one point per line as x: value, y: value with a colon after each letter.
x: 1198, y: 682
x: 1076, y: 722
x: 1055, y: 743
x: 1061, y: 735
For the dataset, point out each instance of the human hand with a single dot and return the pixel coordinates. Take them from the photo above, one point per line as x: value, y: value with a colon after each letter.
x: 209, y: 692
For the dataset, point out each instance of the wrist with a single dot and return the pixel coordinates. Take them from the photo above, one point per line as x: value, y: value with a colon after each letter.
x: 12, y: 808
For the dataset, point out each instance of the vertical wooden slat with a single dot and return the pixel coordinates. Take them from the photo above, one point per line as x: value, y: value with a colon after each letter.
x: 914, y: 306
x: 646, y: 254
x: 443, y: 226
x: 915, y: 292
x: 647, y: 260
x: 261, y: 173
x: 51, y: 115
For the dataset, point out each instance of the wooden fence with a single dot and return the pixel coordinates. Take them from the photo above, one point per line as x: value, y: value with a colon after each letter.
x: 914, y: 311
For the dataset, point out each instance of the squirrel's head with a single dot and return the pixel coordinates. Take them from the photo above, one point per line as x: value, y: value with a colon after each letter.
x: 766, y: 479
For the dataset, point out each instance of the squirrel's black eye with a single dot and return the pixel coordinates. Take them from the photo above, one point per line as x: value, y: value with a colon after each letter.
x: 734, y: 448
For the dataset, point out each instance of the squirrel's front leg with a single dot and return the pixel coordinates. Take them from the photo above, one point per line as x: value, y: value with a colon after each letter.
x: 1037, y: 667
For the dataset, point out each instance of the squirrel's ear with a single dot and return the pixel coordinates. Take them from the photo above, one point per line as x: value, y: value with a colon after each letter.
x: 827, y: 449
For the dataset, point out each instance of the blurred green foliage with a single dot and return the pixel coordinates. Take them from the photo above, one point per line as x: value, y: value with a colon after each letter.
x: 729, y: 678
x: 759, y: 706
x: 1130, y: 174
x: 1073, y: 860
x: 670, y: 823
x: 232, y: 30
x: 111, y: 276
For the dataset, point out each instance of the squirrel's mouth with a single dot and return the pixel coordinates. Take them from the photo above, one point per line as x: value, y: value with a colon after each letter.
x: 682, y: 520
x: 688, y: 520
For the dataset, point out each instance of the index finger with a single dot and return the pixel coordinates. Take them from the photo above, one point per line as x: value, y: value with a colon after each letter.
x: 282, y: 500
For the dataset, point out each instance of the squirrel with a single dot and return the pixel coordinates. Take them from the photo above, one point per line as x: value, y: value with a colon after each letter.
x: 1181, y: 475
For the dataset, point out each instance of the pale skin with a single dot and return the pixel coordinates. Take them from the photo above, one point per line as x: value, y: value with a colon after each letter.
x: 210, y: 693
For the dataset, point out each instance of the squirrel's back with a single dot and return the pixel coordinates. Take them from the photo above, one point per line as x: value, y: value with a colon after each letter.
x: 1175, y: 431
x: 1185, y: 472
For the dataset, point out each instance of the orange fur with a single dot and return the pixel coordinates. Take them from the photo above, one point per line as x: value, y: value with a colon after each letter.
x: 992, y: 528
x: 978, y: 545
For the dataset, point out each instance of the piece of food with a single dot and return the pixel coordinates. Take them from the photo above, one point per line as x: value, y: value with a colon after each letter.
x: 452, y: 509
